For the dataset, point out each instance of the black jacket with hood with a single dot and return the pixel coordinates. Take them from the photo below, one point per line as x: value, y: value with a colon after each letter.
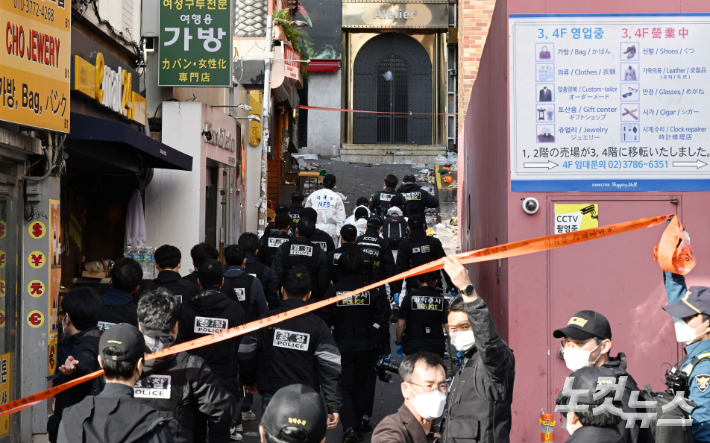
x: 416, y: 199
x: 193, y: 387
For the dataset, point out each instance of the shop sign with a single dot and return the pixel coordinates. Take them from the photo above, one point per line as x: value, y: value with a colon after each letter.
x: 255, y: 98
x: 35, y: 61
x: 367, y: 14
x: 195, y: 43
x: 110, y: 88
x: 219, y: 137
x: 292, y: 67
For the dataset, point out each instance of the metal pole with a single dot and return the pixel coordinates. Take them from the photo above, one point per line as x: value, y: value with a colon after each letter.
x: 265, y: 114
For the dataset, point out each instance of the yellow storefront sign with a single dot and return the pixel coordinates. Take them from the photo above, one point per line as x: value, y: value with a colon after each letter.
x: 36, y: 63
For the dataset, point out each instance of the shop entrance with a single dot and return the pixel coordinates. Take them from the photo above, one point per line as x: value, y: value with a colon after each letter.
x: 211, y: 197
x: 393, y: 74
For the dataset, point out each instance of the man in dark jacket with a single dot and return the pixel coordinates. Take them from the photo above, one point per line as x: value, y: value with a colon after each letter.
x: 294, y: 211
x: 114, y: 415
x: 199, y: 253
x: 587, y: 341
x: 348, y: 236
x: 378, y: 248
x: 79, y: 352
x: 300, y: 349
x: 319, y: 237
x: 416, y: 198
x: 356, y: 321
x: 422, y: 319
x: 585, y: 426
x: 242, y: 287
x: 299, y: 251
x: 119, y: 306
x: 177, y: 385
x: 380, y: 200
x: 169, y: 260
x: 280, y: 208
x: 482, y: 390
x: 269, y: 243
x: 424, y: 391
x: 250, y: 243
x: 209, y: 312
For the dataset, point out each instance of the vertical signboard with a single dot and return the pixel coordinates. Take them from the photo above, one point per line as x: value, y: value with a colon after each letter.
x: 35, y: 61
x: 55, y: 279
x: 609, y: 102
x: 195, y: 43
x: 5, y: 390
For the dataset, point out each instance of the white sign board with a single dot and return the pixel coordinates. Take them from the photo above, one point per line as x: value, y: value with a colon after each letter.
x: 609, y: 102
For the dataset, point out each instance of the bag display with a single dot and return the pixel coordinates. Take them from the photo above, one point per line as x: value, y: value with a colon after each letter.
x: 545, y: 54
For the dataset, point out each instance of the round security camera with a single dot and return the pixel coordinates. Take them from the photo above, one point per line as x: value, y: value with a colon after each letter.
x: 530, y: 205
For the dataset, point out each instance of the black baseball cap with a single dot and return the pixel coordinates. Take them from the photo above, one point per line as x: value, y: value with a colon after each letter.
x: 362, y: 201
x: 280, y: 208
x: 296, y: 414
x: 329, y: 179
x: 349, y: 233
x: 375, y: 221
x: 415, y: 222
x: 409, y: 178
x: 297, y: 197
x: 396, y: 200
x: 695, y: 301
x: 125, y: 337
x: 584, y: 325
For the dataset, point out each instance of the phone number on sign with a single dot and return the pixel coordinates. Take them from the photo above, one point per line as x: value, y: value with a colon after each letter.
x: 35, y: 9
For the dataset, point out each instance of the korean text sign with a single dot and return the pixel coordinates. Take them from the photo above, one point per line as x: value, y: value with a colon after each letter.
x: 35, y: 61
x: 610, y: 102
x: 195, y: 43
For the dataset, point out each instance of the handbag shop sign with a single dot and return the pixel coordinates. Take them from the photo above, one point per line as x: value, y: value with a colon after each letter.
x: 428, y: 14
x: 610, y: 102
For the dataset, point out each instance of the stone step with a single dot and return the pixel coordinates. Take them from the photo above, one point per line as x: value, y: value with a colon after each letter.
x: 377, y: 153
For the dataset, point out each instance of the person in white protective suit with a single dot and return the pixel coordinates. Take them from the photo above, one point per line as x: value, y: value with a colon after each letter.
x: 330, y: 208
x: 362, y: 202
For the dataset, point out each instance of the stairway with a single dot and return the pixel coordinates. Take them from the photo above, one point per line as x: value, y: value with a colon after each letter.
x: 378, y: 153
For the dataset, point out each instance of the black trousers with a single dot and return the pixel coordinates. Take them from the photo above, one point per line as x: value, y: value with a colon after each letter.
x: 353, y: 382
x: 218, y: 432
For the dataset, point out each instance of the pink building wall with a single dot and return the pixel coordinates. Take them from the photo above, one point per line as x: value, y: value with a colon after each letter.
x: 532, y: 295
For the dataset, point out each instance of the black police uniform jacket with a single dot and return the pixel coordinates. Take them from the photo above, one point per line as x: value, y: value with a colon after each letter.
x: 353, y: 318
x: 323, y: 239
x: 334, y: 270
x: 113, y: 416
x: 269, y: 244
x: 119, y: 307
x: 416, y: 199
x: 637, y: 434
x: 595, y: 434
x: 380, y: 200
x: 294, y: 211
x: 173, y: 282
x: 209, y: 312
x: 478, y: 407
x: 379, y: 249
x: 416, y: 250
x: 298, y: 350
x: 178, y: 385
x: 424, y: 310
x: 299, y: 251
x: 242, y: 288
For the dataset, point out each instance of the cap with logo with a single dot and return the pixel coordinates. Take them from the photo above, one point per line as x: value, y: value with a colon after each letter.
x: 297, y: 197
x: 296, y: 414
x: 349, y: 232
x: 695, y: 301
x: 362, y: 201
x: 409, y: 178
x: 374, y: 221
x: 281, y: 208
x: 584, y: 325
x: 415, y: 222
x: 127, y: 338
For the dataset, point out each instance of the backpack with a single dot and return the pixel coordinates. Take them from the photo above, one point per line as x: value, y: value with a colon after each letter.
x: 394, y: 230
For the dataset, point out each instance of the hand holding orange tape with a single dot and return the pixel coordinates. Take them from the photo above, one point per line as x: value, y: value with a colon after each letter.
x: 672, y: 257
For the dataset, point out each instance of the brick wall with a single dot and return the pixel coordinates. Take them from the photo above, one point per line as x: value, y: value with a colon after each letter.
x: 474, y: 21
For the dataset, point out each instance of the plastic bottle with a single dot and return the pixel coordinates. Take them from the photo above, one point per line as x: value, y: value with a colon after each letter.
x: 150, y: 262
x: 128, y: 253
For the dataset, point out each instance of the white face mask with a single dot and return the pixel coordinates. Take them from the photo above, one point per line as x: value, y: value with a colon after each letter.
x: 462, y: 340
x: 685, y: 334
x: 577, y: 359
x: 568, y: 426
x: 430, y: 405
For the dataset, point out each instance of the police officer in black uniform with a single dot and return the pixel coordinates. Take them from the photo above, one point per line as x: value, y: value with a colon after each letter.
x: 378, y: 248
x: 319, y: 237
x: 421, y: 319
x: 348, y: 236
x: 356, y: 321
x: 416, y: 250
x: 119, y: 304
x: 114, y: 415
x: 297, y: 199
x: 209, y: 312
x: 169, y: 260
x: 300, y: 349
x: 380, y: 200
x: 250, y: 243
x: 242, y: 287
x: 177, y: 385
x: 199, y: 253
x: 269, y: 243
x: 417, y: 199
x: 281, y: 208
x: 299, y: 251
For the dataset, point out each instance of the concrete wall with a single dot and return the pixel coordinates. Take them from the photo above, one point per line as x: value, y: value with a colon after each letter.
x: 324, y: 126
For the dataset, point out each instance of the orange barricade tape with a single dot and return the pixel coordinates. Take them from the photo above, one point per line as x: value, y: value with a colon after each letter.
x: 494, y: 253
x: 673, y: 253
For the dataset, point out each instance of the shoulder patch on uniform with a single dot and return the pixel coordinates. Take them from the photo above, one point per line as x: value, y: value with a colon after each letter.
x: 291, y: 340
x: 153, y: 386
x: 240, y: 293
x: 702, y: 381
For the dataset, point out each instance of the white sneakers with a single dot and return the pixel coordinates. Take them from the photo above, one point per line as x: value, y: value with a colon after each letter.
x: 234, y: 435
x: 248, y: 415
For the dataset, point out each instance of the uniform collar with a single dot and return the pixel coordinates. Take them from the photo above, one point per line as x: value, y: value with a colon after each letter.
x: 697, y: 348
